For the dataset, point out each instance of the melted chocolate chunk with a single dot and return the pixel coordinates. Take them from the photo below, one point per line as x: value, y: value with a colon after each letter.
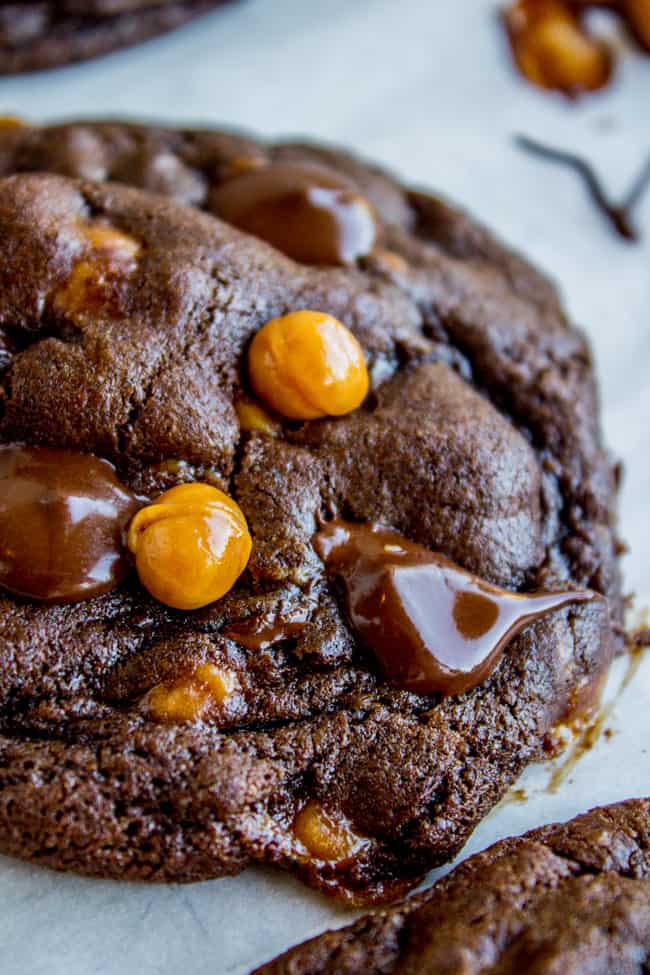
x: 303, y: 210
x: 433, y: 626
x: 62, y: 515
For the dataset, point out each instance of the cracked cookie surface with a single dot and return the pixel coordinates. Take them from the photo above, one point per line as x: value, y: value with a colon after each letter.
x: 479, y: 439
x: 571, y: 898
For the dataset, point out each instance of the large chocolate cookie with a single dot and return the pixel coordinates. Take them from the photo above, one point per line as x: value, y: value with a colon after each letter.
x: 39, y: 35
x: 568, y: 899
x: 479, y: 440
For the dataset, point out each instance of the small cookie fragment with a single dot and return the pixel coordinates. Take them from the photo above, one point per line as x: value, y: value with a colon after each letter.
x: 188, y: 698
x: 553, y: 49
x: 324, y: 836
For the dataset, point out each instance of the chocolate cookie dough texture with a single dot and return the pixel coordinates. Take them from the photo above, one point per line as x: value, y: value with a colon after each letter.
x: 39, y: 35
x: 380, y: 405
x: 571, y: 898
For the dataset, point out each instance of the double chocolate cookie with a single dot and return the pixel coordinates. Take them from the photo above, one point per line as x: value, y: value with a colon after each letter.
x: 571, y: 898
x: 340, y: 396
x: 38, y: 35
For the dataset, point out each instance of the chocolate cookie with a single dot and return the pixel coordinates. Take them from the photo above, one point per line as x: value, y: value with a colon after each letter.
x: 144, y: 741
x: 34, y: 36
x: 571, y: 898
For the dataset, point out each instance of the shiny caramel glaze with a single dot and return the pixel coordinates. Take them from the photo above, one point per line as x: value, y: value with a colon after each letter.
x: 304, y: 210
x: 190, y: 546
x: 307, y: 365
x: 433, y: 626
x: 253, y: 418
x: 62, y: 516
x: 94, y: 283
x: 188, y: 698
x: 637, y: 15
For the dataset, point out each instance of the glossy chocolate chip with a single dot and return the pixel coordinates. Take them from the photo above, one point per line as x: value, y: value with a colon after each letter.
x: 62, y: 516
x: 303, y: 210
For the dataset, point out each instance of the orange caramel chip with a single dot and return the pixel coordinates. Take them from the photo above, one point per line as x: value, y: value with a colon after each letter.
x: 389, y: 262
x: 306, y: 365
x: 93, y: 286
x: 243, y: 164
x: 111, y: 244
x: 12, y: 122
x: 254, y: 418
x: 88, y: 291
x: 188, y: 698
x: 325, y: 837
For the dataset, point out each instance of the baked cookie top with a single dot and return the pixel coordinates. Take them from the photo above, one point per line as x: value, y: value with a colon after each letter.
x: 572, y: 898
x: 127, y: 326
x: 39, y: 35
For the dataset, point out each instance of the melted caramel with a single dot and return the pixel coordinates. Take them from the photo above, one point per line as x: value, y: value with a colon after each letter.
x: 188, y: 698
x: 433, y: 626
x: 254, y: 419
x: 259, y: 633
x: 94, y: 284
x: 304, y: 210
x: 62, y: 515
x: 553, y: 49
x: 325, y: 837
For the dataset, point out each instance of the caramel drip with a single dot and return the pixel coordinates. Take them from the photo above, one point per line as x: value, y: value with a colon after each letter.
x: 433, y: 626
x: 259, y: 633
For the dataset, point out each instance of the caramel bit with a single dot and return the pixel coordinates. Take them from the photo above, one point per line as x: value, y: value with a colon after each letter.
x: 110, y: 244
x: 12, y: 122
x: 254, y: 419
x: 189, y: 698
x: 89, y: 290
x: 93, y: 285
x: 243, y: 164
x: 308, y: 365
x: 190, y: 546
x: 553, y: 49
x: 389, y: 263
x: 323, y: 836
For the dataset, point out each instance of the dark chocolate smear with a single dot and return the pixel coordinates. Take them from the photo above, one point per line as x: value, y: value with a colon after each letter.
x: 310, y: 214
x: 62, y: 516
x: 433, y: 626
x: 619, y: 215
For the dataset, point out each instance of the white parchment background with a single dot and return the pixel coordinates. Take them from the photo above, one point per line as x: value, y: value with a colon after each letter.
x: 424, y: 86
